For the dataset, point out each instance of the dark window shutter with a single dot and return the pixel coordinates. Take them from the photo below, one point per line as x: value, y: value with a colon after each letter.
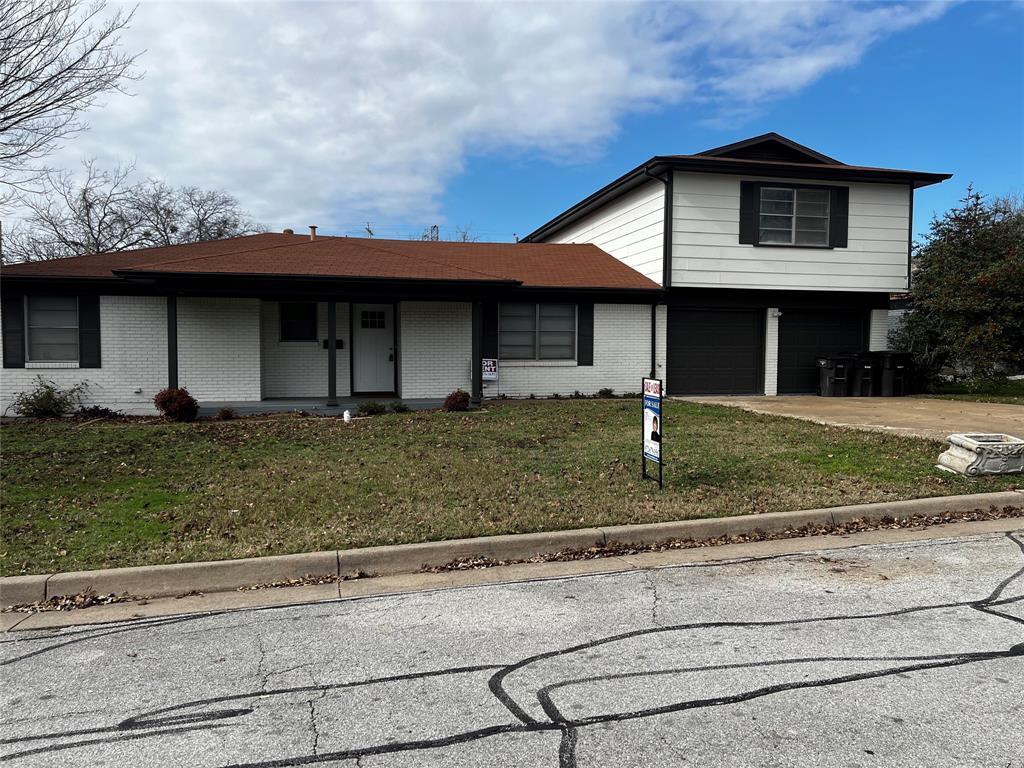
x: 88, y: 331
x: 839, y: 217
x: 749, y: 205
x: 585, y: 334
x: 490, y: 335
x: 14, y: 331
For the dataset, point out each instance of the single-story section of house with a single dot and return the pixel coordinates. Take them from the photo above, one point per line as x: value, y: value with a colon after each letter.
x: 278, y: 317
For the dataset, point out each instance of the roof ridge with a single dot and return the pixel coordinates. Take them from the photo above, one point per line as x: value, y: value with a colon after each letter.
x: 199, y: 257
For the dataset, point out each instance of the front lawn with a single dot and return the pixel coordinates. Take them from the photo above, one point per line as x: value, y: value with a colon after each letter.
x: 1009, y: 392
x: 107, y: 493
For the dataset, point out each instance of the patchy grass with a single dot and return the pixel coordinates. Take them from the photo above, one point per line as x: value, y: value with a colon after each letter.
x: 1009, y: 392
x: 127, y: 493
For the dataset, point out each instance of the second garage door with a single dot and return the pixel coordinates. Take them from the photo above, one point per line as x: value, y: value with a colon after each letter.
x: 805, y: 335
x: 715, y: 351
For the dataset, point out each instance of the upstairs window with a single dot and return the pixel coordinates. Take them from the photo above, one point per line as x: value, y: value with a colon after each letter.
x: 298, y: 321
x: 794, y: 216
x: 52, y: 324
x: 528, y: 331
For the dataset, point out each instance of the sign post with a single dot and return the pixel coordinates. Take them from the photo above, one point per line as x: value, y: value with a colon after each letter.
x: 653, y: 429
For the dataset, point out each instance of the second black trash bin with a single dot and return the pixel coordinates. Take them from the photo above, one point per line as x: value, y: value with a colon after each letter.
x: 866, y: 366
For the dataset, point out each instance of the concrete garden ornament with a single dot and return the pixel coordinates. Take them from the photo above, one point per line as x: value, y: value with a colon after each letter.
x: 981, y: 454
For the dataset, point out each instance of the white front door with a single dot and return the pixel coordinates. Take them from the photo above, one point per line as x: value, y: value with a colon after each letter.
x: 373, y: 348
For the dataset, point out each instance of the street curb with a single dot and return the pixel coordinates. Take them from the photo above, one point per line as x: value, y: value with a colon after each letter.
x: 226, y: 575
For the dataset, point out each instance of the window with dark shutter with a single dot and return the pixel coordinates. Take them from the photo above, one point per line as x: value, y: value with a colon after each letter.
x: 786, y: 214
x: 528, y: 331
x: 298, y: 321
x: 52, y: 325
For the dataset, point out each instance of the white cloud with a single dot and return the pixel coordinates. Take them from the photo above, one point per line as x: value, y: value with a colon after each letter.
x: 332, y: 113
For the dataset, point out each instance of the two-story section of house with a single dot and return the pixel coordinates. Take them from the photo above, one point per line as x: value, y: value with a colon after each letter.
x: 771, y: 254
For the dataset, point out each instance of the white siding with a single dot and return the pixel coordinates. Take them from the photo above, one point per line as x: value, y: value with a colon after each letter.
x: 133, y: 349
x: 219, y: 348
x: 630, y: 228
x: 299, y: 368
x: 706, y: 254
x: 435, y: 341
x: 878, y: 336
x: 771, y: 352
x: 622, y: 356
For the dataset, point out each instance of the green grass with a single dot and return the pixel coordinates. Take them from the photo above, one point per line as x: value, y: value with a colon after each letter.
x: 115, y: 494
x: 1009, y: 392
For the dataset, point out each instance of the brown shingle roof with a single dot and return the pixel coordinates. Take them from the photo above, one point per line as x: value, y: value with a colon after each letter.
x: 532, y: 265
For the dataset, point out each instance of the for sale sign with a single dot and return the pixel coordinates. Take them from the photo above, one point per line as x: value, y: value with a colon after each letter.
x: 652, y: 425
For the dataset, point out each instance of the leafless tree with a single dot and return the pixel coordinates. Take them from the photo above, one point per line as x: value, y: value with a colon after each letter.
x: 433, y: 233
x: 57, y: 57
x: 105, y: 212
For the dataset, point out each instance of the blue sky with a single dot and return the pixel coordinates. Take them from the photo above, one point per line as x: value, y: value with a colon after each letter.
x: 499, y: 115
x: 944, y: 96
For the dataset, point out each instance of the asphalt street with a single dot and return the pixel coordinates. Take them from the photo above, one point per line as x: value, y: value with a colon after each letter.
x: 884, y: 655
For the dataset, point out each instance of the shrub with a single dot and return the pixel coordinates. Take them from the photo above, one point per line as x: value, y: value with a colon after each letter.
x: 46, y: 399
x: 176, y: 404
x: 97, y: 412
x: 456, y: 401
x: 397, y: 406
x: 372, y: 408
x: 227, y: 414
x: 606, y: 392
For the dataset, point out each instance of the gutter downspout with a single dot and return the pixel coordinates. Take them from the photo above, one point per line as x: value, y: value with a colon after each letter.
x: 666, y: 260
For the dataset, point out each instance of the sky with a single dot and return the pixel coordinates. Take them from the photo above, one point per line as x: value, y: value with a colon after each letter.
x: 498, y: 116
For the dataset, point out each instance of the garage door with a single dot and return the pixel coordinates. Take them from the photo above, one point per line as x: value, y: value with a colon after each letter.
x: 715, y: 351
x: 806, y: 335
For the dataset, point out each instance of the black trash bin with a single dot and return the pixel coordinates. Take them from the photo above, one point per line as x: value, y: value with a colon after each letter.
x: 865, y: 378
x: 895, y: 380
x: 833, y: 376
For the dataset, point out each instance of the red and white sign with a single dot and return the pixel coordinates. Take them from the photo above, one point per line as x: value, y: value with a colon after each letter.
x: 652, y: 387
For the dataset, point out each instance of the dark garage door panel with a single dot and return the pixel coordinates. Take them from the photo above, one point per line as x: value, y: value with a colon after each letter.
x: 715, y: 351
x: 805, y: 335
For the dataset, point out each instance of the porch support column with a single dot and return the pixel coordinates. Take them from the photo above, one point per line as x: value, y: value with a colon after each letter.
x: 478, y: 353
x: 172, y: 342
x: 332, y: 353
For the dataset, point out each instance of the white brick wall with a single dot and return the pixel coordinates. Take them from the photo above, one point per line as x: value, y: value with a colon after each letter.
x: 878, y: 336
x: 771, y: 351
x: 219, y: 348
x: 133, y: 344
x: 299, y: 368
x: 622, y: 356
x: 435, y: 341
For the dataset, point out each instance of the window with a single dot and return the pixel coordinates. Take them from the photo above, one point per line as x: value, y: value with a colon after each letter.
x: 793, y: 216
x: 52, y: 323
x: 298, y: 321
x: 537, y: 331
x: 372, y: 318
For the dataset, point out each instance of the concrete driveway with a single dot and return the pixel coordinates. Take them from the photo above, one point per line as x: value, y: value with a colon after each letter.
x: 924, y: 417
x: 892, y: 655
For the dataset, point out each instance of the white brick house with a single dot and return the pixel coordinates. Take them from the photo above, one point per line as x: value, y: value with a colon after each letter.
x: 249, y: 320
x: 770, y: 254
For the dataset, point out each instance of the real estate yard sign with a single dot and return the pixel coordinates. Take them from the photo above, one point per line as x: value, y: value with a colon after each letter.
x: 652, y: 428
x: 490, y: 369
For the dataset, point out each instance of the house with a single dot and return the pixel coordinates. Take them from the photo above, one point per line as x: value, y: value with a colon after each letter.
x: 770, y: 254
x: 725, y: 272
x: 287, y: 317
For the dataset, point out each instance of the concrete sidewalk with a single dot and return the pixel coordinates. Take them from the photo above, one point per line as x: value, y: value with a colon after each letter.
x: 921, y: 417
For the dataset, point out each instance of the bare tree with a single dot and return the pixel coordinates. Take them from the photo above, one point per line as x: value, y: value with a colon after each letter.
x: 56, y: 58
x: 460, y: 235
x: 105, y: 212
x: 96, y: 215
